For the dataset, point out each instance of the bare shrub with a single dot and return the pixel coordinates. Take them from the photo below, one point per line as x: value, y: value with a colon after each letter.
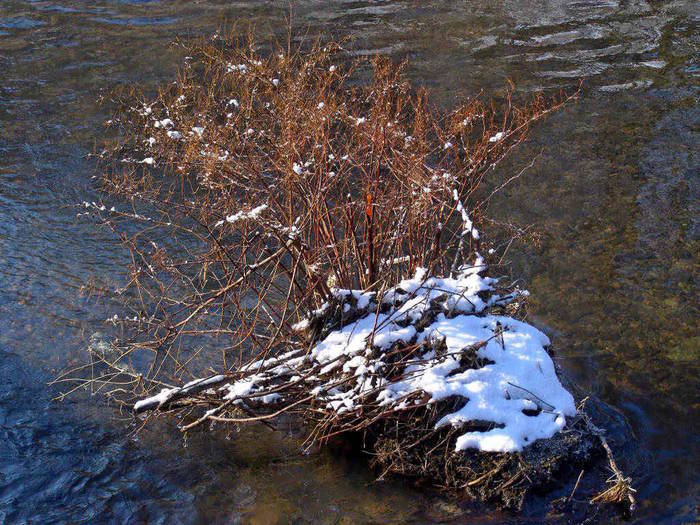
x: 261, y: 182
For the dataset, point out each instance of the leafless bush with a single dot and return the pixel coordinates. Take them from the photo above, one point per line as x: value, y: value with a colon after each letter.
x: 261, y: 180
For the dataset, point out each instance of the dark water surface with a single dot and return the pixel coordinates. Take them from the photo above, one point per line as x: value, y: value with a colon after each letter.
x: 615, y: 195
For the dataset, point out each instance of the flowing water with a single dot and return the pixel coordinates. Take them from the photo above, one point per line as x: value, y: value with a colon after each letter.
x: 614, y: 193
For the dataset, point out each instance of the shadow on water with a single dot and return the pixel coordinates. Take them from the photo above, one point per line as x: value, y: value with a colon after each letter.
x: 614, y: 193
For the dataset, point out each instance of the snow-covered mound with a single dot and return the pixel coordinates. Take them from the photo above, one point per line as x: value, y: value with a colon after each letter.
x: 516, y: 391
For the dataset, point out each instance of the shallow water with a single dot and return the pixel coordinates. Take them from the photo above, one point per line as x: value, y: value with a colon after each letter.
x: 614, y: 193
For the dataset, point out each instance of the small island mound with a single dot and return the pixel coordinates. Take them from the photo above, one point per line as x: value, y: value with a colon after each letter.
x: 307, y: 242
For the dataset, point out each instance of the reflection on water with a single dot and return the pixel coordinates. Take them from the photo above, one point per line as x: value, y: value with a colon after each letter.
x: 615, y: 194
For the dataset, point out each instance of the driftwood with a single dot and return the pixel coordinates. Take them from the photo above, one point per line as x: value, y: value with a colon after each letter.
x: 621, y: 491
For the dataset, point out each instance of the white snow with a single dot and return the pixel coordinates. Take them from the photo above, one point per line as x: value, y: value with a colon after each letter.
x: 522, y: 376
x: 241, y: 68
x: 243, y: 215
x: 239, y: 389
x: 296, y: 168
x: 655, y: 64
x: 165, y: 123
x: 466, y: 221
x: 498, y: 136
x: 161, y: 398
x: 301, y: 325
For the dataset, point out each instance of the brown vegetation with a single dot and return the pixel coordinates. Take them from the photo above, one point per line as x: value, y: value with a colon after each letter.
x: 260, y: 180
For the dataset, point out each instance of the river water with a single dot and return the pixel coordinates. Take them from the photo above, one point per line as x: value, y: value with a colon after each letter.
x: 614, y: 194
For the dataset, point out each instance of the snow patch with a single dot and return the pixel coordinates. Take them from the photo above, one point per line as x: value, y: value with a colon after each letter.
x: 244, y: 215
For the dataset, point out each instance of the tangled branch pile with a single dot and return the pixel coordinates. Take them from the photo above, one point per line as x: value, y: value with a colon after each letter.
x: 288, y: 227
